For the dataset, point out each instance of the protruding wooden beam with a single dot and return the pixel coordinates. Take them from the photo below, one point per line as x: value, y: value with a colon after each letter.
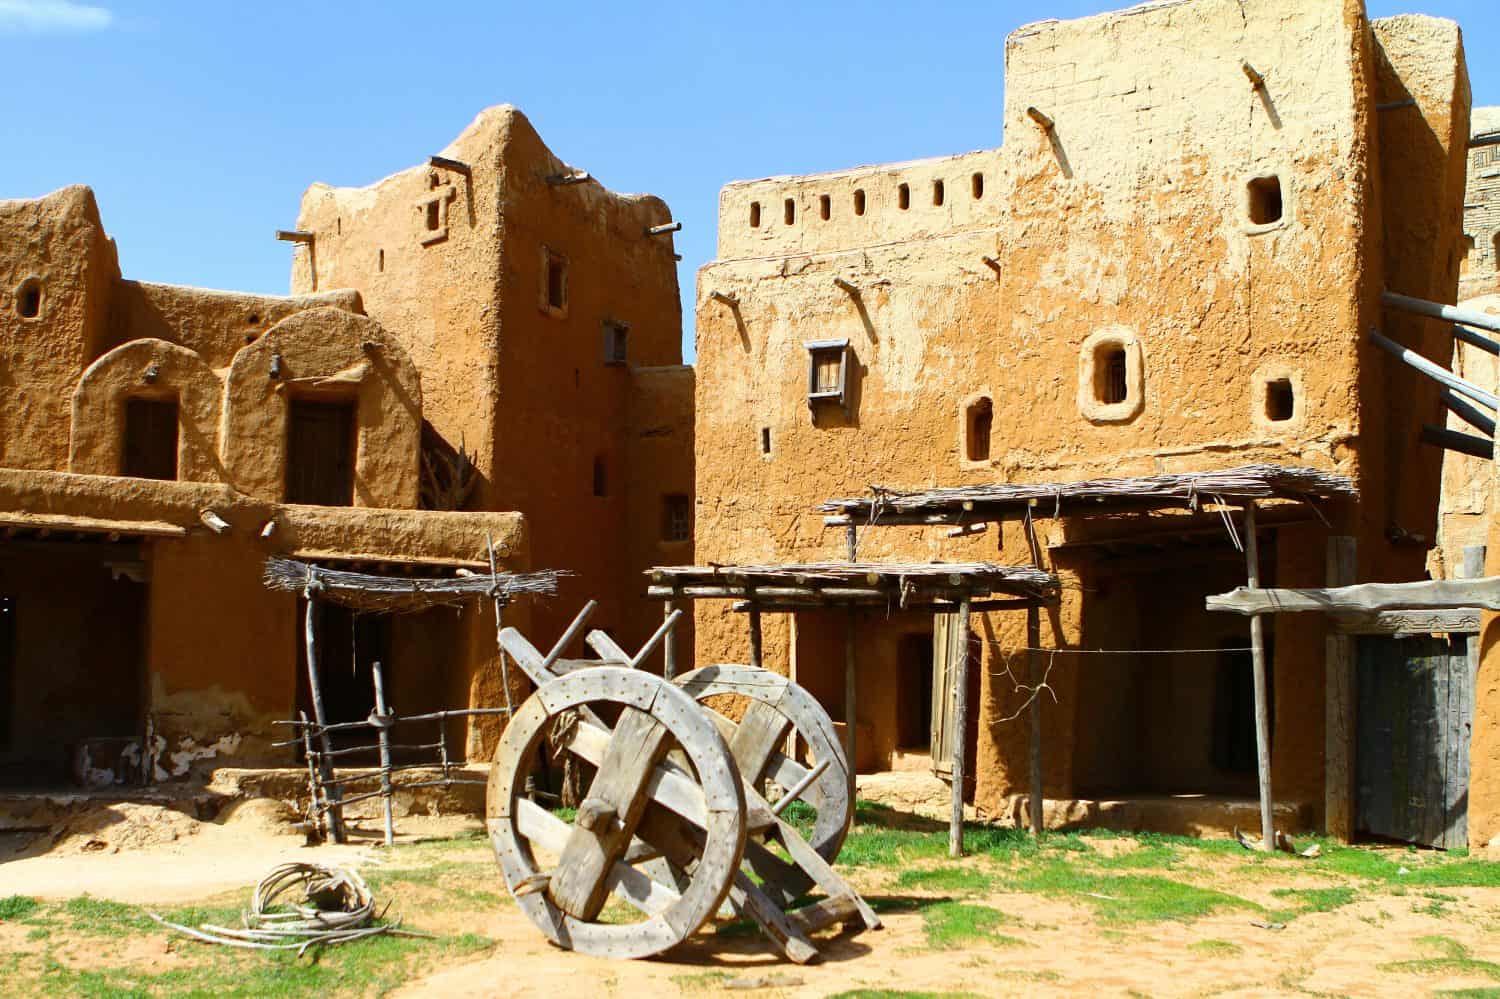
x: 1036, y: 115
x: 846, y: 286
x: 991, y: 263
x: 1436, y: 310
x: 444, y: 163
x: 1426, y: 594
x: 732, y: 301
x: 294, y: 235
x: 1436, y: 372
x: 664, y: 228
x: 1455, y: 440
x: 576, y: 177
x: 1257, y: 80
x: 1469, y: 414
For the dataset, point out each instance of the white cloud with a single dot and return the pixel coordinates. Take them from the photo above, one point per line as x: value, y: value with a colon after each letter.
x: 44, y: 16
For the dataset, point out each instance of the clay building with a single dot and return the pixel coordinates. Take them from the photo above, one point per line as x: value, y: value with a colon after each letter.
x: 544, y: 313
x: 1480, y: 270
x: 487, y: 349
x: 1171, y: 264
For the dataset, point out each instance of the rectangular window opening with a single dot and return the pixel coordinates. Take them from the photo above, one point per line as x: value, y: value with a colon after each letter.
x: 676, y: 517
x: 903, y: 197
x: 976, y: 185
x: 755, y: 214
x: 616, y: 343
x: 320, y: 449
x: 825, y: 207
x: 859, y: 202
x: 765, y: 440
x: 937, y: 192
x: 1280, y: 400
x: 1111, y: 383
x: 789, y: 211
x: 980, y: 423
x: 1265, y: 200
x: 151, y: 432
x: 557, y: 281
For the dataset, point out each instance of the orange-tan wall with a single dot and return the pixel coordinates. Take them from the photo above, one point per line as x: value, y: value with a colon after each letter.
x: 1129, y: 217
x: 523, y: 387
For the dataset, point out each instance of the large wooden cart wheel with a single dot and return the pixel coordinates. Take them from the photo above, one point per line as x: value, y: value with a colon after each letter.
x: 639, y: 807
x: 779, y: 706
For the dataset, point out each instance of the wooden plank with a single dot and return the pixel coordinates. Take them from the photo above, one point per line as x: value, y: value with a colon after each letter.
x: 549, y: 832
x: 618, y: 796
x: 1431, y: 594
x: 1454, y: 621
x: 756, y: 656
x: 1339, y: 705
x: 1461, y: 720
x: 755, y: 739
x: 960, y: 723
x: 1262, y: 707
x: 942, y: 694
x: 824, y: 913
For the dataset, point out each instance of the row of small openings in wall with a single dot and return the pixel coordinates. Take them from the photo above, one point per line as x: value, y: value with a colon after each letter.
x: 1278, y: 402
x: 858, y: 201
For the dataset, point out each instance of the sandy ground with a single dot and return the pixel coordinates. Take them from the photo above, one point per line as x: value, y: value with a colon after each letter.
x: 1048, y: 946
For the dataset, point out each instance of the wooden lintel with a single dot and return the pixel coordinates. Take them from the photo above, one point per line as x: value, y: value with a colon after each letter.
x: 1452, y: 621
x: 444, y: 163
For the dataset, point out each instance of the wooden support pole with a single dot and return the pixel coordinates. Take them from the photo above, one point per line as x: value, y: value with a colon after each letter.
x: 325, y: 760
x: 850, y: 700
x: 383, y: 735
x: 956, y: 738
x: 1258, y: 666
x: 1454, y: 440
x: 669, y: 642
x: 755, y: 646
x: 1034, y: 670
x: 851, y: 542
x: 1338, y: 705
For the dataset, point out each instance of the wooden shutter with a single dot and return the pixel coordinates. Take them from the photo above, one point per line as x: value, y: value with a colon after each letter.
x: 944, y: 628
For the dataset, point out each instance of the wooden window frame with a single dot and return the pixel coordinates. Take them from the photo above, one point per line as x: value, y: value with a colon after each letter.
x: 816, y: 350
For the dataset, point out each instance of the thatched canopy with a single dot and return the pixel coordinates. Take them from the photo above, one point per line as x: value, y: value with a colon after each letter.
x: 842, y: 583
x: 402, y: 594
x: 968, y: 504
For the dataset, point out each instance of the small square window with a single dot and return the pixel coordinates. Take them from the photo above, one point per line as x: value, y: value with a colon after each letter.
x: 1281, y: 401
x: 1264, y: 200
x: 979, y: 422
x: 827, y: 371
x: 676, y: 517
x: 616, y: 343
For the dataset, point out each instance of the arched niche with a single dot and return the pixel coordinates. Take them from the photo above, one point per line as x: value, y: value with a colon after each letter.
x: 332, y: 357
x: 155, y: 371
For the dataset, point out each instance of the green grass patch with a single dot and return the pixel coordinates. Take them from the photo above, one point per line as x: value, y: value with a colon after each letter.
x: 898, y: 994
x: 950, y: 924
x: 702, y: 982
x: 1449, y: 958
x: 1128, y: 898
x: 17, y: 907
x: 969, y: 880
x: 1216, y: 948
x: 1306, y: 900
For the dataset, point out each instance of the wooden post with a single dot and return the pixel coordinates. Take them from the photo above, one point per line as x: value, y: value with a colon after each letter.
x: 383, y: 736
x: 849, y: 697
x: 1258, y: 666
x: 669, y: 642
x: 1339, y: 704
x: 325, y: 760
x: 960, y: 660
x: 755, y: 646
x: 851, y: 543
x: 1034, y: 664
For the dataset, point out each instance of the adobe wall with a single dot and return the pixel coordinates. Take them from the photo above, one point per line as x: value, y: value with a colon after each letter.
x: 524, y: 386
x: 1481, y: 259
x: 57, y: 246
x: 1130, y: 220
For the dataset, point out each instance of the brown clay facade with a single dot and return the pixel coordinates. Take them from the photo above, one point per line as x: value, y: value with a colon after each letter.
x: 422, y: 390
x: 1166, y: 267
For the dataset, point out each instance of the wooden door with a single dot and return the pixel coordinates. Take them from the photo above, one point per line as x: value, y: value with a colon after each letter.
x: 150, y: 439
x: 320, y: 453
x: 1415, y: 709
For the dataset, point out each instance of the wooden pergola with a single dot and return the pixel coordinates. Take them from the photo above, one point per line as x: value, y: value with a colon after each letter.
x: 970, y: 509
x: 934, y: 587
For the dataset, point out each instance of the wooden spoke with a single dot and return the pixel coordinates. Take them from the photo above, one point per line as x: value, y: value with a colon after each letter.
x: 590, y: 853
x: 778, y: 705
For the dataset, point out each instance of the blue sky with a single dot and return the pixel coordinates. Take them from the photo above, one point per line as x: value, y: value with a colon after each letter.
x: 199, y: 124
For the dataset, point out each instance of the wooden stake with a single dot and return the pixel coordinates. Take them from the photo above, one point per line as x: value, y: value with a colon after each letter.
x: 849, y: 696
x: 1338, y: 705
x: 755, y: 646
x: 383, y: 735
x: 669, y: 642
x: 1258, y: 666
x: 325, y: 765
x: 960, y: 660
x: 1034, y: 664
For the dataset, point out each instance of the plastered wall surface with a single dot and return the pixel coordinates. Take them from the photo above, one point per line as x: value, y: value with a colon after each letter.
x: 183, y: 637
x: 1481, y: 251
x: 1121, y: 213
x: 524, y: 384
